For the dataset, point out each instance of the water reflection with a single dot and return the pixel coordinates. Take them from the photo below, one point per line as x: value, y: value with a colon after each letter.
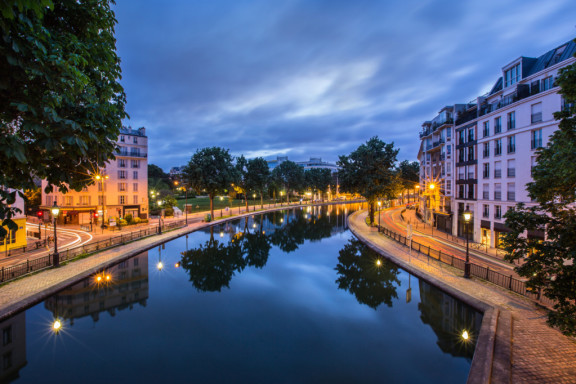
x: 118, y: 288
x: 13, y: 347
x: 449, y: 319
x: 365, y: 274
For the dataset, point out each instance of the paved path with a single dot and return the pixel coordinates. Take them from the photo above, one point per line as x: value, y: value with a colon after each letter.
x: 537, y: 353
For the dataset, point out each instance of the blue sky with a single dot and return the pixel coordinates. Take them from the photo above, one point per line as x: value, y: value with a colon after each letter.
x: 315, y: 78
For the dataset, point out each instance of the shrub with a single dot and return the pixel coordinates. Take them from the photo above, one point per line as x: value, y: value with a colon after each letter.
x: 136, y: 220
x: 128, y: 218
x: 121, y: 222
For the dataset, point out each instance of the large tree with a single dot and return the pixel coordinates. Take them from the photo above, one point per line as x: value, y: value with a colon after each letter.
x: 318, y: 180
x: 61, y: 103
x: 258, y: 176
x: 409, y: 174
x: 370, y: 171
x: 549, y: 264
x: 289, y: 175
x: 241, y: 184
x: 211, y: 170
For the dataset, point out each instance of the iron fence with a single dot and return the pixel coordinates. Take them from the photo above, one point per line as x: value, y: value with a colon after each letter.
x: 485, y: 273
x: 43, y: 262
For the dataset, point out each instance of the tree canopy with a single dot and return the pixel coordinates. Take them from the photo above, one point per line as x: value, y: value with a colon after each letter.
x: 549, y: 263
x: 370, y: 171
x: 289, y: 175
x: 318, y: 179
x: 211, y: 170
x: 258, y: 175
x: 61, y: 103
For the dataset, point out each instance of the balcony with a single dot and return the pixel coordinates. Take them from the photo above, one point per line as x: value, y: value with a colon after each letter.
x: 511, y: 172
x: 131, y: 154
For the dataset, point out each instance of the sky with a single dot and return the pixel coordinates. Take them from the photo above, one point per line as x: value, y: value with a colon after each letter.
x: 315, y: 78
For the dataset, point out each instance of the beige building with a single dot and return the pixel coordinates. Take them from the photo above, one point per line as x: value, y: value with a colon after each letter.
x: 121, y: 188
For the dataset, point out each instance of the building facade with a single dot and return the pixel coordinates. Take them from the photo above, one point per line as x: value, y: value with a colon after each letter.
x: 119, y: 189
x: 15, y: 239
x: 495, y: 142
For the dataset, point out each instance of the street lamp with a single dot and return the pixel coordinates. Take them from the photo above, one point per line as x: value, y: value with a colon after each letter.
x: 467, y: 217
x: 55, y: 256
x: 379, y: 205
x: 100, y: 179
x: 159, y: 218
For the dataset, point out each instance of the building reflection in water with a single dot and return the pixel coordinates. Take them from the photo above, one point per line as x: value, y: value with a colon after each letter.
x: 119, y: 287
x: 449, y: 318
x: 13, y: 347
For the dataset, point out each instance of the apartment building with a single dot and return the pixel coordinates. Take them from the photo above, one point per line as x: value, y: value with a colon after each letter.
x: 119, y: 189
x: 496, y: 138
x: 15, y: 239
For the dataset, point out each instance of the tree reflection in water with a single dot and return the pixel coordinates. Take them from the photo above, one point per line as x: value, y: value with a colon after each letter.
x: 366, y: 275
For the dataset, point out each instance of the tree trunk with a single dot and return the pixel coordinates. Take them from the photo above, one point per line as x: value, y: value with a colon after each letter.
x: 371, y: 211
x: 246, y: 200
x: 261, y: 201
x: 211, y: 205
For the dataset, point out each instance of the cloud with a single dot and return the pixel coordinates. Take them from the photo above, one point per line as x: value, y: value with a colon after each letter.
x: 314, y: 78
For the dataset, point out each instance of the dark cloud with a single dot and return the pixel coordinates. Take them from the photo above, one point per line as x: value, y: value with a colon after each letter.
x: 315, y: 77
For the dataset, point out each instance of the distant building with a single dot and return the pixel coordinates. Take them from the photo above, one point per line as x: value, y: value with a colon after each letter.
x: 481, y: 158
x: 15, y: 239
x: 274, y: 163
x: 122, y: 188
x: 314, y: 162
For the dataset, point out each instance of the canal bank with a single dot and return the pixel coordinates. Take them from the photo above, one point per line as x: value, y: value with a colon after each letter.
x: 515, y: 345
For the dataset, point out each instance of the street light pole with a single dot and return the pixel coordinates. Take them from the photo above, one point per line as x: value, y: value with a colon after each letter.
x: 379, y: 205
x: 467, y: 217
x: 55, y: 255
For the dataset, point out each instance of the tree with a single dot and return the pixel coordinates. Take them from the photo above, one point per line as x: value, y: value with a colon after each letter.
x: 61, y: 105
x: 290, y: 175
x: 258, y: 175
x: 211, y: 170
x: 241, y: 185
x: 409, y: 173
x: 369, y: 171
x: 318, y: 179
x: 548, y: 263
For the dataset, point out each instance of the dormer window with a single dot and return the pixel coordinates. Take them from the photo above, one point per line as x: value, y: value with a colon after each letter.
x: 512, y: 76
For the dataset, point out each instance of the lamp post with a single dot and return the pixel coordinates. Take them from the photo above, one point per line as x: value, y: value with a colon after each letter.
x: 159, y: 218
x: 100, y: 178
x: 186, y: 204
x: 55, y: 256
x: 467, y: 217
x: 379, y: 205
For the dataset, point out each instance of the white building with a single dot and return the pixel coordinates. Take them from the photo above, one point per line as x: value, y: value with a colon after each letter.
x: 496, y: 138
x: 122, y: 188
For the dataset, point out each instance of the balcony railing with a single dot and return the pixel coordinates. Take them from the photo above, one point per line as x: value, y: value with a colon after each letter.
x: 132, y: 154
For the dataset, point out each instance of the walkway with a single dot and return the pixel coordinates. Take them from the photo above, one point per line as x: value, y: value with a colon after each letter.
x: 525, y: 349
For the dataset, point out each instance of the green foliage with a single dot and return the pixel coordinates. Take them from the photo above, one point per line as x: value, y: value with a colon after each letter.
x: 318, y: 179
x: 242, y: 184
x: 290, y: 176
x: 370, y: 172
x: 211, y: 170
x: 155, y: 172
x: 257, y: 176
x: 129, y: 218
x: 62, y: 103
x: 549, y: 264
x: 410, y: 173
x: 33, y: 198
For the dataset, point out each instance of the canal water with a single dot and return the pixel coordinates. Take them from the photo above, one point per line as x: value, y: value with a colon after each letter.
x: 285, y: 297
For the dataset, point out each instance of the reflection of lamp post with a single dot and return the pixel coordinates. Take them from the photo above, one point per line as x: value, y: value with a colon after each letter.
x: 467, y: 217
x: 55, y: 255
x: 159, y: 265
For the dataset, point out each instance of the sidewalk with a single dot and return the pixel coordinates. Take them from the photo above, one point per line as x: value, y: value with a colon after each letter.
x: 524, y: 348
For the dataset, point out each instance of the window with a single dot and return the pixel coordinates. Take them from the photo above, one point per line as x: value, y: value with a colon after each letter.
x: 101, y: 200
x: 85, y: 200
x: 565, y: 106
x: 486, y: 191
x: 486, y: 151
x: 135, y: 175
x: 122, y: 175
x: 470, y: 191
x: 497, y: 125
x: 122, y: 163
x: 10, y: 240
x: 122, y: 187
x: 536, y: 141
x: 511, y: 120
x: 122, y: 139
x: 135, y: 152
x: 547, y: 83
x: 497, y: 169
x: 100, y: 186
x: 497, y: 212
x: 461, y: 155
x: 461, y: 191
x: 511, y: 144
x: 7, y: 335
x: 135, y: 140
x: 448, y: 134
x: 121, y: 199
x: 486, y: 211
x: 135, y: 199
x: 135, y: 163
x: 135, y: 187
x: 68, y: 200
x: 536, y: 113
x: 486, y: 131
x: 448, y: 186
x: 512, y: 75
x: 486, y: 172
x: 498, y: 147
x: 49, y: 201
x: 497, y: 191
x: 470, y: 153
x: 471, y: 134
x: 511, y: 168
x: 511, y: 196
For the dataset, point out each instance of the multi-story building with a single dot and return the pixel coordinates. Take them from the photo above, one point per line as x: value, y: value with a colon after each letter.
x: 15, y: 239
x: 119, y: 189
x: 496, y: 139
